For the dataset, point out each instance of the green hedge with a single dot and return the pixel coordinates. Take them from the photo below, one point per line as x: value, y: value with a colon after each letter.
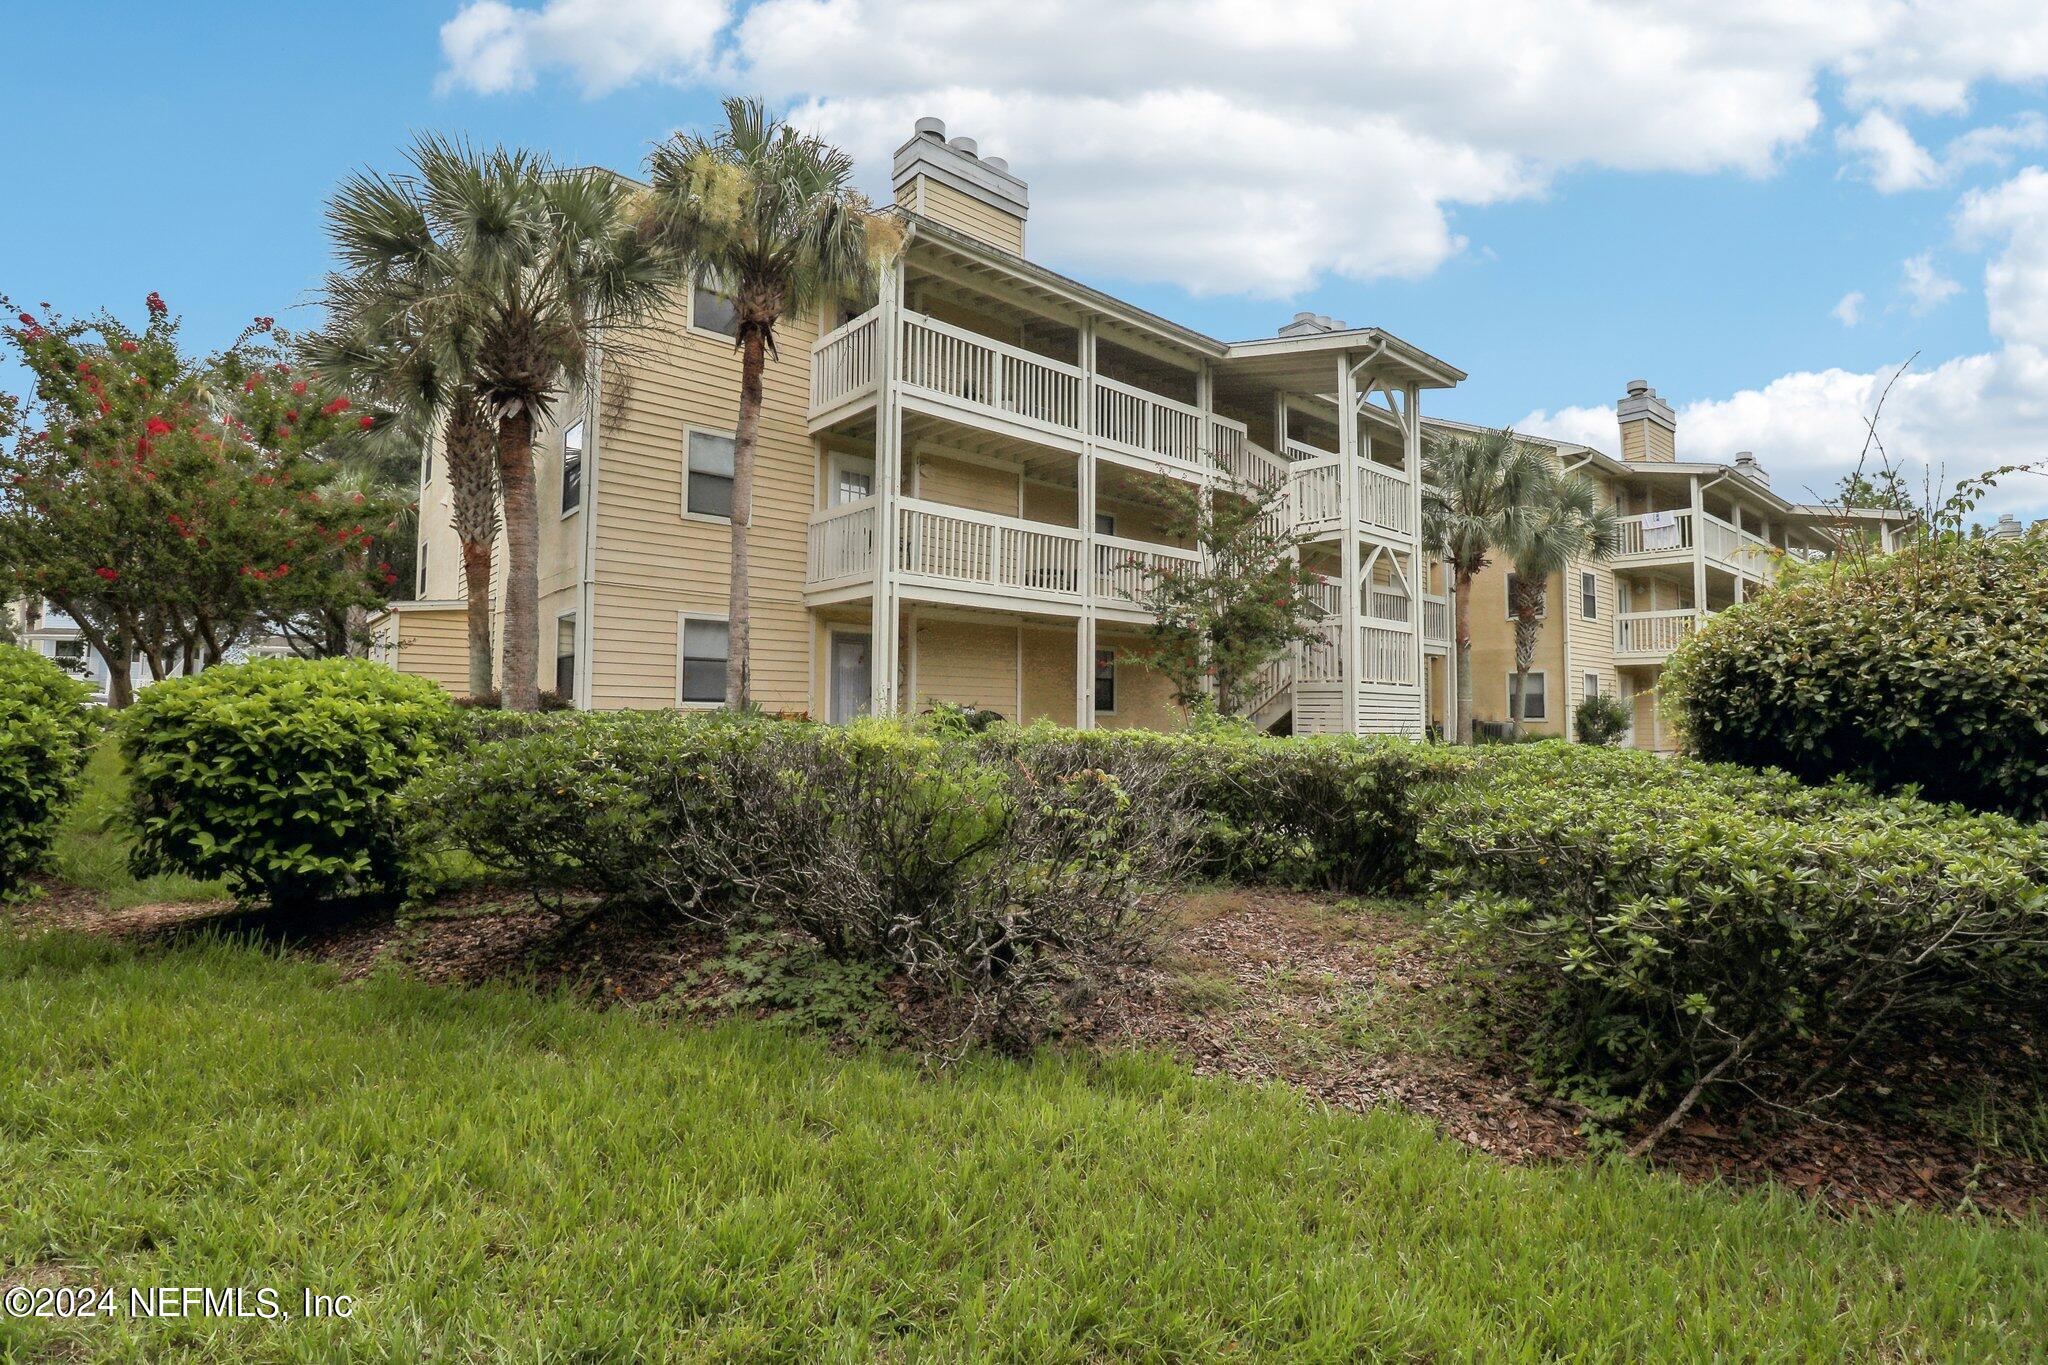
x: 45, y: 731
x: 279, y: 775
x: 1323, y: 812
x: 1928, y: 669
x: 1649, y: 924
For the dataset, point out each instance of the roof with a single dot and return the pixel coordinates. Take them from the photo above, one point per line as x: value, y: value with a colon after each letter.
x: 1608, y: 464
x: 1250, y: 358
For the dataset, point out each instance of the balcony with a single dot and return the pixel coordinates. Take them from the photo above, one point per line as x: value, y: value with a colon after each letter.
x: 1650, y: 636
x: 1670, y: 536
x: 972, y: 556
x: 979, y: 379
x: 1436, y: 622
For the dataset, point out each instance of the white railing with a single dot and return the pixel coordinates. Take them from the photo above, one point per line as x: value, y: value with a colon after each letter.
x: 1237, y: 455
x: 1383, y: 499
x: 842, y: 542
x: 1436, y: 620
x: 1638, y: 537
x: 1653, y: 632
x: 1320, y: 658
x: 1298, y: 451
x: 1388, y: 604
x: 1147, y: 423
x: 843, y: 362
x: 1266, y: 685
x: 937, y: 541
x: 1316, y: 490
x: 1126, y: 569
x: 987, y: 373
x: 1389, y: 655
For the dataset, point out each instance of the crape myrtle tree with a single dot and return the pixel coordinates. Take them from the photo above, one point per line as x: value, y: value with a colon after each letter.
x: 770, y: 218
x: 173, y: 506
x: 1243, y: 603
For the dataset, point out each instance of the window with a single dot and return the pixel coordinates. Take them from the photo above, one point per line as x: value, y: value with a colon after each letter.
x: 1592, y: 684
x: 70, y: 656
x: 1105, y: 524
x: 711, y: 310
x: 1105, y: 682
x: 1589, y: 597
x: 1542, y: 598
x: 427, y: 467
x: 423, y: 569
x: 710, y: 475
x: 853, y: 478
x: 572, y: 468
x: 706, y: 644
x: 1536, y: 707
x: 565, y: 656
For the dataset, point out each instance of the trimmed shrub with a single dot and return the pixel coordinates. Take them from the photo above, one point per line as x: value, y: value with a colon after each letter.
x: 982, y: 884
x: 279, y: 775
x: 1924, y: 669
x: 1326, y: 812
x: 608, y: 803
x: 1656, y: 927
x: 1600, y: 719
x: 45, y: 731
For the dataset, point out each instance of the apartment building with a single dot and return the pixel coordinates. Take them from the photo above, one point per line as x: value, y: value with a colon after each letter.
x: 962, y: 485
x: 1696, y: 537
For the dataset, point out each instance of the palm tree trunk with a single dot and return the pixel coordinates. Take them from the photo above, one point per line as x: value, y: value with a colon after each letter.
x: 738, y: 676
x: 522, y: 562
x: 476, y: 584
x: 1462, y: 714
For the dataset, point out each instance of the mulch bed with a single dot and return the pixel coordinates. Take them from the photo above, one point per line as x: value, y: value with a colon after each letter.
x: 1284, y: 970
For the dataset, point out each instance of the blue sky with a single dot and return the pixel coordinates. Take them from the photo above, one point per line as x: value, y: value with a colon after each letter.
x: 1698, y: 228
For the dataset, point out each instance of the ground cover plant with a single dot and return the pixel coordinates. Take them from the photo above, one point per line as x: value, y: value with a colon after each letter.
x: 1927, y: 668
x: 587, y: 1184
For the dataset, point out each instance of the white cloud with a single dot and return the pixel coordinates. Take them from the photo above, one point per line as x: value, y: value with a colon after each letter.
x: 492, y: 47
x: 1891, y: 159
x: 1924, y: 286
x: 1849, y: 309
x: 1951, y: 421
x: 1247, y: 145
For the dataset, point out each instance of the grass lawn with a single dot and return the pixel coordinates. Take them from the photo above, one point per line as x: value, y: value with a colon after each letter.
x: 495, y: 1175
x: 91, y: 855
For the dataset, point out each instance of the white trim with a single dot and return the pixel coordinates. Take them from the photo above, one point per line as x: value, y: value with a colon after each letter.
x: 1509, y: 688
x: 688, y: 429
x: 690, y: 316
x: 582, y: 467
x: 683, y: 618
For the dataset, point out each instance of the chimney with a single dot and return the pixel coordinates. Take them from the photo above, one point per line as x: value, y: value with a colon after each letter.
x: 1311, y: 324
x: 951, y: 183
x: 1746, y: 465
x: 1649, y: 428
x: 2008, y: 527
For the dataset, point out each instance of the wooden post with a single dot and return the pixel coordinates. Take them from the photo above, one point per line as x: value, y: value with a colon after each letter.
x: 1351, y: 648
x: 1084, y: 502
x: 882, y: 638
x: 1699, y: 550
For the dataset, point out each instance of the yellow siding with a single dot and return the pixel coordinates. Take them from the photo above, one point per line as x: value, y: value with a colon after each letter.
x: 944, y: 204
x: 434, y: 644
x: 1048, y: 676
x: 1493, y: 651
x: 963, y: 483
x: 967, y: 663
x: 1144, y: 696
x: 1048, y: 502
x: 1643, y: 439
x: 654, y: 562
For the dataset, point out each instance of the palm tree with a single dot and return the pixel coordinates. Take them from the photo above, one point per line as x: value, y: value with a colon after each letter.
x: 770, y: 216
x: 1563, y: 523
x: 375, y: 343
x: 1477, y: 502
x: 522, y: 265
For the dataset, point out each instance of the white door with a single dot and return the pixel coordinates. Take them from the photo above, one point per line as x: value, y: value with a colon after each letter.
x: 852, y: 683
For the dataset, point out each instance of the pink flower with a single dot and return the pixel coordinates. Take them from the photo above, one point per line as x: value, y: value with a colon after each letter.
x: 299, y: 389
x: 339, y: 405
x: 159, y: 427
x: 367, y: 422
x: 155, y: 304
x: 130, y: 347
x: 106, y: 573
